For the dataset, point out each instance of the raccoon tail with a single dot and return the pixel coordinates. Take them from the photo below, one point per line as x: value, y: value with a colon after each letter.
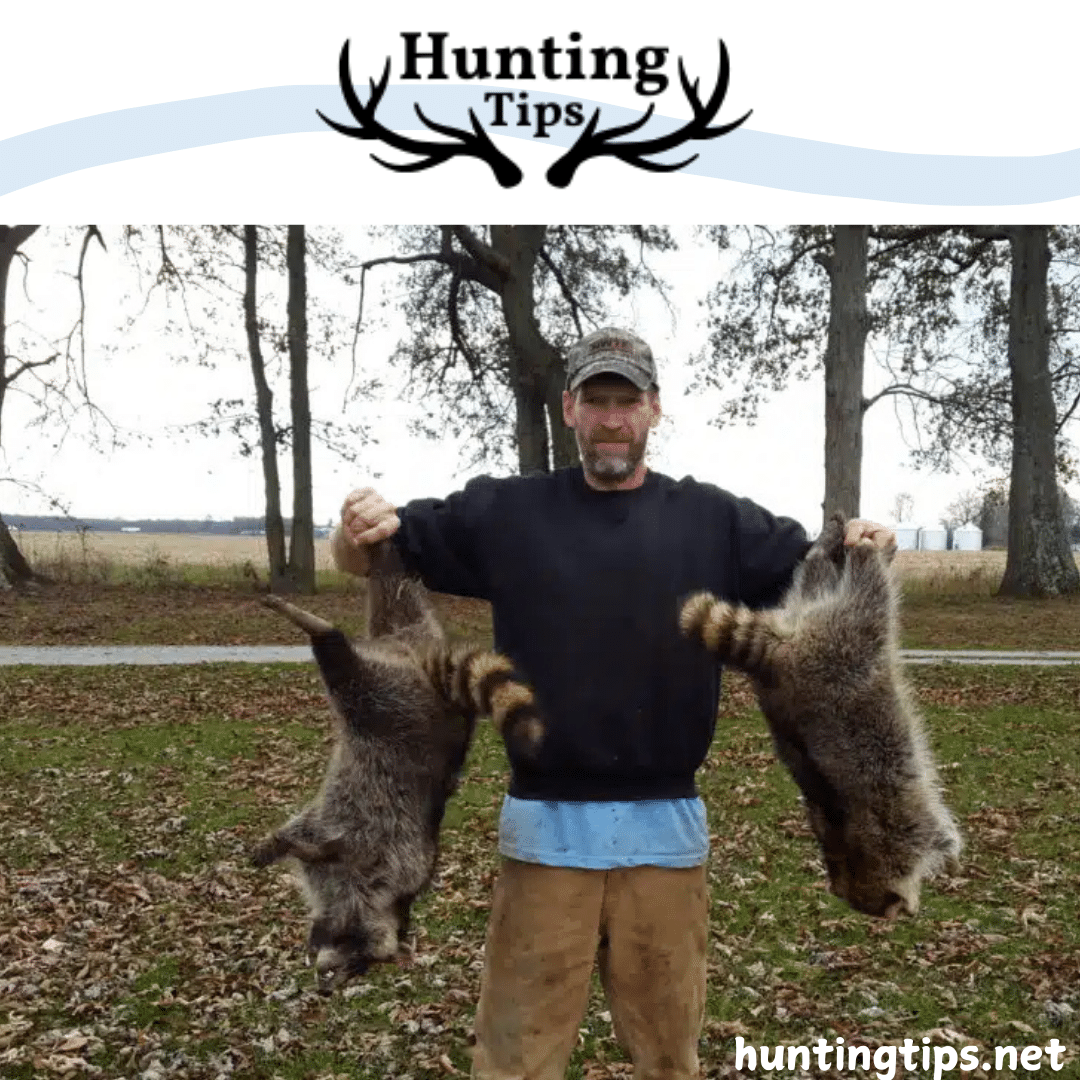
x: 738, y: 636
x: 486, y: 683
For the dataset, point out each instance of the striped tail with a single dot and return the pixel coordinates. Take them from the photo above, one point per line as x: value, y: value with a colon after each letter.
x: 740, y: 637
x: 485, y: 684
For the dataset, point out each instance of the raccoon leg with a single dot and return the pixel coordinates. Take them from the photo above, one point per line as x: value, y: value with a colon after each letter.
x: 817, y: 576
x: 831, y: 540
x: 295, y: 839
x: 870, y: 607
x: 738, y: 636
x: 304, y: 619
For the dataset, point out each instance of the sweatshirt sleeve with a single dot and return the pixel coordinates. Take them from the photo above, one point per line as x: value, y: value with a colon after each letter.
x: 769, y: 550
x: 441, y: 540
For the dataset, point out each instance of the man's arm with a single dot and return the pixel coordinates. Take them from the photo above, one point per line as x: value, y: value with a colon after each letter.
x: 366, y: 518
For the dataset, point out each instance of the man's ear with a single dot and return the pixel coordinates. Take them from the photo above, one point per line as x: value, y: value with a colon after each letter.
x: 568, y: 408
x: 657, y: 411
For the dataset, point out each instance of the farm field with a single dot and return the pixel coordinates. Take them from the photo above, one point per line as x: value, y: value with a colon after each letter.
x: 93, y: 554
x: 164, y: 589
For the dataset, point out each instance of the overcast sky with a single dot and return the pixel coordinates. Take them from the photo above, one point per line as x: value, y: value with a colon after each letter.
x: 778, y: 461
x: 207, y: 112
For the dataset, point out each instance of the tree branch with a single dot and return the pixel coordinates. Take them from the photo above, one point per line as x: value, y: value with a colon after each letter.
x: 464, y: 265
x: 902, y: 390
x: 26, y: 365
x: 484, y: 254
x: 1067, y: 416
x: 564, y: 288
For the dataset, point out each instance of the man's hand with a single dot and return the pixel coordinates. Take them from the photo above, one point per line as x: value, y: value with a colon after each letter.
x: 880, y: 536
x: 366, y: 518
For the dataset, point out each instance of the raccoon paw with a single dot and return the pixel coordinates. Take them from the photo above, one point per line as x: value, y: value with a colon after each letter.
x: 269, y: 851
x: 831, y: 540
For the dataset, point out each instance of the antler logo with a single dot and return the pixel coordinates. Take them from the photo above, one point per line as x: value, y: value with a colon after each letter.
x: 472, y: 144
x: 590, y: 144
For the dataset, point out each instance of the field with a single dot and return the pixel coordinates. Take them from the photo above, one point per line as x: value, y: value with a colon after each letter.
x: 136, y: 941
x: 104, y: 555
x: 101, y: 555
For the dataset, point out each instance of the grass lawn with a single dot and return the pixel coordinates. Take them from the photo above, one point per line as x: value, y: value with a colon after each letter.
x: 135, y: 940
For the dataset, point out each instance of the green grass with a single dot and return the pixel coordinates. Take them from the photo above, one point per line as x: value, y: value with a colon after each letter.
x: 133, y: 931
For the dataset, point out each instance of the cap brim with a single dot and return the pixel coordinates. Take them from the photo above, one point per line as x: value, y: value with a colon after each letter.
x: 612, y: 365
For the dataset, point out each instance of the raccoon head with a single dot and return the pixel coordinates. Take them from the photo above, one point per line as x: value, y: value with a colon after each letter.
x: 342, y: 950
x: 866, y: 867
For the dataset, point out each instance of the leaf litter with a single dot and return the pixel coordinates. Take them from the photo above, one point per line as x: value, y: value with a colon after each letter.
x: 135, y: 940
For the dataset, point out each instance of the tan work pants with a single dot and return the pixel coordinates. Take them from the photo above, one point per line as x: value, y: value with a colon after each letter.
x: 547, y: 924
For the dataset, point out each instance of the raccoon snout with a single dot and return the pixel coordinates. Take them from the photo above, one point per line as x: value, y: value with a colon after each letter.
x: 333, y: 969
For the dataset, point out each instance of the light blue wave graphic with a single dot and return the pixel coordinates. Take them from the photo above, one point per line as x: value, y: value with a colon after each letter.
x: 745, y: 156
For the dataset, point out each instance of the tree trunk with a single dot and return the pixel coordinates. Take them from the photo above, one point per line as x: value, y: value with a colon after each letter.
x: 564, y: 448
x: 534, y: 361
x: 1039, y: 562
x: 845, y: 352
x: 264, y: 402
x: 302, y: 545
x: 14, y: 569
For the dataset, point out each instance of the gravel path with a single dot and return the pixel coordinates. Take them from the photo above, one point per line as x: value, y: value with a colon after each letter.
x: 88, y: 655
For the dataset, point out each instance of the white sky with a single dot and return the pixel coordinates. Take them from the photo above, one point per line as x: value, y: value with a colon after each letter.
x: 778, y: 461
x: 920, y: 78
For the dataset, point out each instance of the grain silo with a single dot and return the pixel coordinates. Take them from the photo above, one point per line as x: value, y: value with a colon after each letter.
x: 933, y: 539
x: 967, y: 538
x: 907, y: 536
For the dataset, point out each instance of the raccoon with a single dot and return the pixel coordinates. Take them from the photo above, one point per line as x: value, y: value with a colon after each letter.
x: 405, y: 705
x: 827, y: 673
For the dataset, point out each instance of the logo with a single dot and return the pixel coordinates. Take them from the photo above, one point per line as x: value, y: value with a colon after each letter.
x: 506, y: 108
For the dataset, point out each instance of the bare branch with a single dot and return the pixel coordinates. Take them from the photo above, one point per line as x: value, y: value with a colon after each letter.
x: 26, y: 365
x: 568, y: 296
x: 483, y: 253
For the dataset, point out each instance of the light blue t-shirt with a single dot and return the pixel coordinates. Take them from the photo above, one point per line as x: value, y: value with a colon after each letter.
x: 605, y: 835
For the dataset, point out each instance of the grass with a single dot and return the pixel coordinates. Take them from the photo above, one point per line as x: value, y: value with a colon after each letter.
x: 137, y: 942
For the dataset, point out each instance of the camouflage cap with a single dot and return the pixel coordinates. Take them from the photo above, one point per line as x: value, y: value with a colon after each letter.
x: 613, y: 351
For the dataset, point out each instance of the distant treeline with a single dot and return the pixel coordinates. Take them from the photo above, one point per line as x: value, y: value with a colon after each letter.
x: 240, y: 526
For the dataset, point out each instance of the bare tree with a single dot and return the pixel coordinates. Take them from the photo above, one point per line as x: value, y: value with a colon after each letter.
x: 302, y: 541
x: 1039, y: 561
x: 202, y: 266
x: 903, y: 506
x: 845, y: 355
x: 941, y: 295
x: 59, y: 398
x: 490, y: 313
x: 14, y: 569
x: 264, y: 405
x: 963, y: 510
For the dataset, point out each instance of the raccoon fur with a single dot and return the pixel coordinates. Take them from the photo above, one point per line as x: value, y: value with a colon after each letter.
x: 827, y: 673
x: 405, y: 705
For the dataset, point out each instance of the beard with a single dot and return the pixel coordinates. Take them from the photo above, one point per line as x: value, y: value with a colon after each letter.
x: 611, y: 468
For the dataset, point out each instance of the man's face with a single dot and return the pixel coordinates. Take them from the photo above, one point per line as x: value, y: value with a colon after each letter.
x: 611, y: 419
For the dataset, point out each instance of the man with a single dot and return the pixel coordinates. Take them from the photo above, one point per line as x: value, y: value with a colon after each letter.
x: 603, y: 837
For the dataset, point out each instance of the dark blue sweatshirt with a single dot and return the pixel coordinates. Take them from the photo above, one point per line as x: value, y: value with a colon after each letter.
x: 585, y: 588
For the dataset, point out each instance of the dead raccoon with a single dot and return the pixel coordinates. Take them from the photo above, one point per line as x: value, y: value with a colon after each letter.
x: 826, y: 669
x: 406, y: 705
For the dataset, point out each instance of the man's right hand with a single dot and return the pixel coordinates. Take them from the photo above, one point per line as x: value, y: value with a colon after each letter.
x: 366, y: 518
